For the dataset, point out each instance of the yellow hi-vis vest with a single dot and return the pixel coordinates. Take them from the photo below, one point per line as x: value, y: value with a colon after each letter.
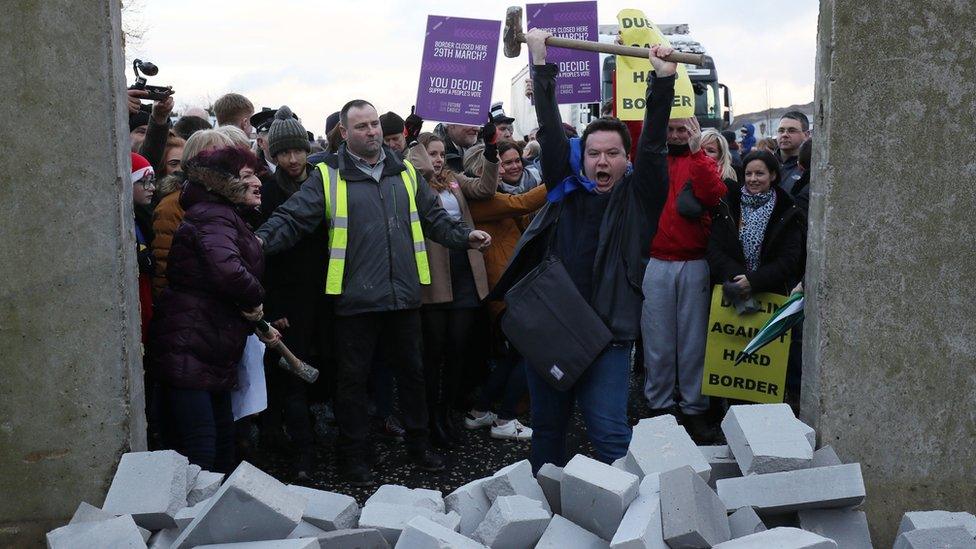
x: 337, y: 210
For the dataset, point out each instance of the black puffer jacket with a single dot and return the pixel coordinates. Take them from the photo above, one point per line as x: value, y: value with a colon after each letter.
x: 783, y: 252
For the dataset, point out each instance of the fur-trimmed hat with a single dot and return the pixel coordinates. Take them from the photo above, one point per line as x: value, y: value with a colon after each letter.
x: 219, y: 170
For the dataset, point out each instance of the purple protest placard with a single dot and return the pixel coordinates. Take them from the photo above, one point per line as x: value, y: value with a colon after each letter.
x: 458, y: 70
x: 579, y: 71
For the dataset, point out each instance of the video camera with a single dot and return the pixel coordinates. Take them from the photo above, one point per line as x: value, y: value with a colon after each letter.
x: 156, y: 93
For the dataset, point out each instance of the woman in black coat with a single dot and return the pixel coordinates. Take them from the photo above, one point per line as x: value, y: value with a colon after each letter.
x: 757, y: 241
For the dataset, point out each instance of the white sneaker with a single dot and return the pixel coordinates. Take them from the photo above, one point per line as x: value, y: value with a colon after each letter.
x: 486, y: 419
x: 512, y: 430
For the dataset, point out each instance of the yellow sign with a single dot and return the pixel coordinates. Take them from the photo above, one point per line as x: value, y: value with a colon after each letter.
x: 760, y: 377
x: 633, y: 73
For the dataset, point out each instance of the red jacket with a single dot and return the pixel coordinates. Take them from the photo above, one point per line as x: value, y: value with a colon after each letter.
x: 681, y: 238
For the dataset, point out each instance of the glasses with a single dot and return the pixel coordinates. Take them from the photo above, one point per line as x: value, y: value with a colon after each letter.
x: 147, y: 182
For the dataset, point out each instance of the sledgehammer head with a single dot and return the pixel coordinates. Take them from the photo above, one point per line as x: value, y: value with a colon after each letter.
x: 513, y: 35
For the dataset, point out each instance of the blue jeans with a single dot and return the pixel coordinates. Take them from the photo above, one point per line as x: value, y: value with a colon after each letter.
x: 601, y: 393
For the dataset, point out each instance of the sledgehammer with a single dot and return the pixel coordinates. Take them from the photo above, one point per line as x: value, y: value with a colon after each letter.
x: 514, y: 38
x: 288, y: 359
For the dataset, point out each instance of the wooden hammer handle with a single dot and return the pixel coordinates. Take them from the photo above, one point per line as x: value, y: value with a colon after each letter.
x: 617, y: 49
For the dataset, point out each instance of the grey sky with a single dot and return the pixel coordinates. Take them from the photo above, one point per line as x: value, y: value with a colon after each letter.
x: 315, y: 56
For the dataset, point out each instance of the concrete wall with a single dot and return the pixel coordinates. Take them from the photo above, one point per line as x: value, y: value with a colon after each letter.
x: 71, y: 397
x: 890, y: 346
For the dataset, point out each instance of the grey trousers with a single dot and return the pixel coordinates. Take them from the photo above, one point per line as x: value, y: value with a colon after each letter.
x: 674, y: 324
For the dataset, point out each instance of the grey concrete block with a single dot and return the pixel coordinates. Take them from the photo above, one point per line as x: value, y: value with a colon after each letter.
x: 947, y: 537
x: 327, y: 510
x: 390, y: 519
x: 780, y: 538
x: 118, y: 532
x: 595, y: 495
x: 206, y: 485
x: 304, y: 543
x: 185, y: 516
x: 250, y: 506
x: 641, y: 527
x: 765, y: 438
x: 808, y: 433
x: 423, y: 533
x: 349, y: 538
x: 745, y: 522
x: 659, y: 444
x: 150, y: 486
x: 516, y: 479
x: 849, y: 528
x: 89, y: 513
x: 192, y: 471
x: 722, y: 462
x: 470, y: 503
x: 513, y: 522
x: 692, y: 514
x: 920, y: 520
x: 819, y: 488
x: 549, y: 477
x: 401, y: 495
x: 305, y: 530
x: 622, y: 465
x: 164, y: 539
x: 825, y: 457
x: 562, y: 533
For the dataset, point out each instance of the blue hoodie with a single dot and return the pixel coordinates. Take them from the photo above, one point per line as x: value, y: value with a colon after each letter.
x: 749, y: 141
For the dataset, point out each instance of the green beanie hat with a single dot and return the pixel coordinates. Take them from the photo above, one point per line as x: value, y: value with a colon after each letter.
x: 286, y: 133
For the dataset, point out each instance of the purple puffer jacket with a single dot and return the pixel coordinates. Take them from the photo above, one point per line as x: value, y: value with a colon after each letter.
x: 198, y: 334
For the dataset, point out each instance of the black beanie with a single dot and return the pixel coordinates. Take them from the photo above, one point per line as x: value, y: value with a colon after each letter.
x: 138, y: 118
x: 391, y: 123
x: 286, y: 133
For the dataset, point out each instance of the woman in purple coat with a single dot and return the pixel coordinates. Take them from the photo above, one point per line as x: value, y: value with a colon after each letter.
x: 204, y: 316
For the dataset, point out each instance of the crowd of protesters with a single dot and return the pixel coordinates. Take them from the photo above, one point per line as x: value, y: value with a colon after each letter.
x: 383, y: 257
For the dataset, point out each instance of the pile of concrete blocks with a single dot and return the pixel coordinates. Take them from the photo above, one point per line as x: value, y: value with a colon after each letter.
x: 770, y: 486
x: 159, y: 500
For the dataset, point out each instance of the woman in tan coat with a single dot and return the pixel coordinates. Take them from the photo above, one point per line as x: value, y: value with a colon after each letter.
x: 458, y: 284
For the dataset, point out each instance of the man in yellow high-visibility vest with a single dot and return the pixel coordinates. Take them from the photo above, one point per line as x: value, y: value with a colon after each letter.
x: 379, y: 209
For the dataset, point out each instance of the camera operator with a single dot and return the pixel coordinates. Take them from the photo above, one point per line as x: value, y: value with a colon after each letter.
x: 149, y: 133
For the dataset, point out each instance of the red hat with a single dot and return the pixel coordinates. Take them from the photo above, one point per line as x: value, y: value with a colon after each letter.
x: 140, y: 167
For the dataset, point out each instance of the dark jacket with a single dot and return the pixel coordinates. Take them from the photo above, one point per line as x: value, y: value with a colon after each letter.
x: 789, y: 173
x: 198, y: 334
x: 154, y: 145
x: 629, y: 221
x: 783, y: 250
x: 801, y: 193
x: 380, y: 269
x: 301, y: 267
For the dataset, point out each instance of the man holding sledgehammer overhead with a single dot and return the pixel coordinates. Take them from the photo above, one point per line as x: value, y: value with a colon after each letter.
x: 599, y: 222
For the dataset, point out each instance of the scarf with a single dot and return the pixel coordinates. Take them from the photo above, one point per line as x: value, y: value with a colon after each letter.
x: 756, y: 211
x: 577, y: 180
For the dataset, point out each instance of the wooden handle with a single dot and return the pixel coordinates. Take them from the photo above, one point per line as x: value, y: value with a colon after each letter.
x: 617, y: 49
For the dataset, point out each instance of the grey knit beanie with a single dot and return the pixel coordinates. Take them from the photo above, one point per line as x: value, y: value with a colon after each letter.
x: 286, y: 133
